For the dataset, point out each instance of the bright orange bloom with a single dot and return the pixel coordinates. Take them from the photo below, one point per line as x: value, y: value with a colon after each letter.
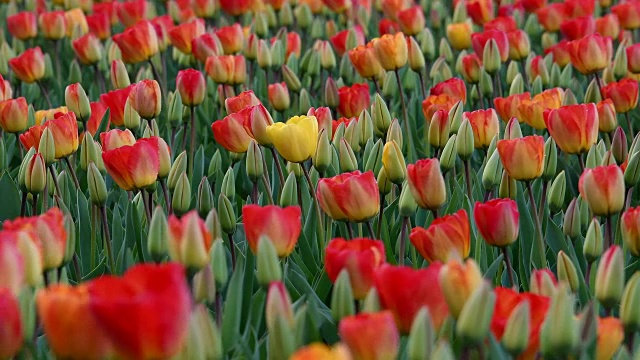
x: 134, y: 167
x: 573, y: 127
x: 189, y: 240
x: 485, y: 125
x: 454, y: 87
x: 226, y: 69
x: 591, y: 54
x: 206, y: 45
x: 337, y: 6
x: 281, y: 225
x: 630, y: 226
x: 498, y: 221
x: 390, y: 8
x: 458, y: 282
x: 447, y: 236
x: 191, y: 85
x: 53, y: 25
x: 532, y: 111
x: 131, y: 12
x: 411, y: 20
x: 88, y: 49
x: 360, y: 257
x: 243, y: 100
x: 182, y: 36
x: 137, y: 43
x: 427, y: 183
x: 64, y: 128
x: 29, y: 66
x: 353, y: 100
x: 480, y: 40
x: 371, y: 336
x: 236, y: 7
x: 116, y: 100
x: 230, y: 133
x: 459, y: 35
x: 574, y: 29
x: 23, y: 25
x: 365, y: 62
x: 339, y: 40
x: 623, y: 93
x: 392, y: 51
x: 507, y: 107
x: 552, y: 15
x: 350, y: 196
x: 146, y: 99
x: 608, y: 25
x: 522, y: 158
x: 610, y: 337
x: 14, y: 115
x: 603, y: 188
x: 100, y: 25
x: 232, y: 38
x: 433, y: 103
x: 628, y: 13
x: 116, y: 138
x: 405, y: 291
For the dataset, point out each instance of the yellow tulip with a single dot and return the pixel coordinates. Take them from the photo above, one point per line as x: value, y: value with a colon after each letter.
x: 296, y: 139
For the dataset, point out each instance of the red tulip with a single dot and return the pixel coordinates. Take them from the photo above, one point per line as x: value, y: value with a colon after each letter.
x: 350, y: 196
x: 591, y: 54
x: 411, y: 20
x: 485, y: 125
x: 6, y: 92
x: 182, y: 36
x: 454, y: 87
x: 230, y: 133
x: 100, y: 25
x: 386, y: 26
x: 137, y: 43
x: 339, y: 40
x: 405, y: 291
x: 281, y: 225
x: 11, y: 329
x: 14, y: 115
x: 573, y: 127
x: 522, y: 158
x: 243, y: 100
x: 134, y: 167
x: 577, y: 8
x: 191, y: 85
x: 623, y: 93
x: 336, y: 123
x: 294, y: 45
x: 479, y: 41
x: 370, y: 336
x: 633, y: 58
x: 88, y: 49
x: 531, y: 6
x: 628, y: 13
x: 427, y: 183
x: 232, y: 38
x: 507, y: 107
x: 480, y: 11
x: 146, y: 312
x: 502, y: 23
x: 574, y: 29
x: 324, y: 117
x: 552, y: 15
x: 519, y: 46
x: 498, y: 221
x: 131, y: 12
x: 29, y: 66
x: 447, y: 236
x: 53, y: 25
x: 23, y: 25
x: 561, y: 53
x: 116, y: 100
x: 471, y: 68
x: 116, y: 138
x: 206, y: 45
x: 256, y: 122
x: 607, y: 120
x: 12, y: 264
x: 360, y: 257
x: 506, y: 302
x: 278, y: 94
x: 146, y: 99
x: 107, y: 8
x: 434, y: 103
x: 353, y: 100
x: 236, y: 7
x: 608, y: 25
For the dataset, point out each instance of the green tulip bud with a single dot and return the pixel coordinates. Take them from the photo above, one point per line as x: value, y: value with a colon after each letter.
x: 608, y: 159
x: 567, y: 271
x: 254, y: 163
x: 427, y: 43
x: 351, y: 136
x: 317, y: 28
x: 443, y: 351
x: 594, y: 158
x: 619, y: 145
x: 610, y: 277
x: 415, y: 56
x: 629, y: 309
x: 204, y: 286
x: 229, y: 183
x: 566, y: 77
x: 592, y: 95
x: 268, y: 266
x: 286, y: 15
x: 517, y: 330
x: 445, y: 50
x: 303, y: 15
x: 77, y: 101
x: 549, y: 39
x: 214, y: 165
x: 289, y: 196
x: 181, y: 200
x: 508, y: 187
x: 371, y: 303
x: 593, y: 242
x: 513, y: 70
x: 492, y: 174
x: 304, y: 101
x: 555, y: 75
x: 464, y: 143
x: 347, y: 71
x: 422, y: 336
x: 158, y: 238
x: 395, y: 133
x: 342, y: 297
x: 277, y: 53
x: 491, y: 57
x: 47, y: 147
x: 374, y: 160
x: 459, y: 13
x: 331, y: 97
x: 572, y: 225
x: 559, y: 332
x: 384, y: 184
x: 324, y: 154
x: 380, y: 115
x: 281, y: 334
x: 550, y: 159
x: 569, y: 98
x: 131, y: 117
x: 620, y: 63
x: 75, y: 73
x: 389, y: 86
x: 212, y: 222
x: 474, y: 320
x: 291, y: 79
x: 175, y: 109
x: 556, y: 194
x: 455, y: 117
x: 364, y: 128
x: 449, y: 155
x: 486, y: 84
x: 347, y: 158
x: 204, y: 201
x: 407, y: 204
x: 227, y: 214
x: 35, y: 174
x: 219, y: 263
x: 313, y: 66
x: 23, y: 168
x: 97, y: 186
x: 294, y: 168
x: 632, y: 172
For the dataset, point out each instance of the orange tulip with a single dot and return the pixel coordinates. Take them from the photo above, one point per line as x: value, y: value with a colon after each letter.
x: 29, y: 66
x: 532, y: 111
x: 23, y: 25
x: 426, y: 183
x: 53, y: 25
x: 628, y: 13
x: 551, y: 16
x: 100, y: 25
x: 350, y: 196
x: 236, y: 7
x: 610, y: 337
x: 607, y: 121
x: 116, y: 100
x: 243, y: 100
x: 76, y: 20
x: 182, y: 36
x: 458, y: 281
x: 281, y: 225
x: 146, y: 99
x: 447, y: 236
x: 11, y: 328
x: 454, y: 87
x: 232, y: 38
x: 134, y: 167
x: 230, y: 133
x: 591, y: 54
x: 353, y: 100
x: 227, y: 69
x: 337, y: 6
x: 485, y: 125
x: 116, y: 138
x: 623, y: 93
x: 392, y: 51
x: 14, y: 114
x: 573, y: 127
x: 320, y: 351
x: 137, y: 43
x: 522, y: 158
x: 434, y: 103
x: 365, y: 62
x: 608, y: 25
x: 65, y: 134
x: 371, y: 336
x: 603, y: 188
x: 88, y: 49
x: 507, y: 107
x: 131, y: 12
x: 189, y: 240
x: 519, y: 45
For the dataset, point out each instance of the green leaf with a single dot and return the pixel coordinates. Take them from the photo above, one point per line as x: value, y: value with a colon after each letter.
x: 10, y: 198
x: 232, y: 312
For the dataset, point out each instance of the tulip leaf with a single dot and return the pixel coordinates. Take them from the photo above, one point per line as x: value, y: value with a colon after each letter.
x: 84, y: 234
x: 493, y: 268
x: 527, y: 233
x: 10, y: 198
x: 104, y: 123
x: 232, y: 312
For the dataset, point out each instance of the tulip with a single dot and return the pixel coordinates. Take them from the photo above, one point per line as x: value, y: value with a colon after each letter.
x: 507, y: 107
x: 603, y: 189
x: 282, y: 226
x: 53, y: 25
x: 628, y: 13
x: 360, y: 257
x: 411, y: 20
x: 577, y: 28
x: 561, y: 53
x: 12, y: 264
x: 391, y: 51
x: 236, y: 7
x: 353, y: 100
x: 427, y: 184
x: 243, y: 100
x: 471, y: 68
x: 324, y: 118
x: 497, y: 221
x: 206, y: 45
x: 137, y: 43
x: 65, y: 134
x: 481, y: 11
x: 405, y: 291
x: 631, y: 230
x: 11, y: 327
x: 116, y: 138
x: 610, y: 277
x: 14, y: 115
x: 371, y: 336
x: 447, y: 236
x: 591, y: 53
x: 146, y: 99
x: 623, y: 93
x: 506, y: 302
x: 231, y: 37
x: 115, y: 100
x: 454, y: 87
x: 88, y: 49
x: 543, y: 282
x: 29, y: 66
x: 607, y: 121
x: 485, y: 126
x: 100, y: 25
x: 320, y: 351
x: 459, y: 35
x: 458, y: 282
x: 230, y: 133
x: 226, y: 69
x: 480, y: 40
x: 279, y: 96
x: 364, y: 60
x: 134, y: 167
x: 551, y: 16
x: 255, y: 124
x: 119, y: 75
x: 6, y: 92
x: 295, y: 140
x: 610, y: 337
x: 339, y: 40
x: 189, y: 241
x: 182, y: 36
x: 191, y: 85
x: 350, y: 196
x: 519, y: 46
x: 573, y: 127
x: 608, y: 25
x: 433, y: 103
x: 522, y: 158
x: 532, y: 111
x: 23, y: 25
x: 502, y: 23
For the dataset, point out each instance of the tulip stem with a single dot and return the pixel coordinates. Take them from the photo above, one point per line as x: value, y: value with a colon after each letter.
x: 350, y: 230
x: 581, y: 161
x: 317, y: 205
x: 107, y: 239
x: 380, y: 215
x: 45, y: 93
x: 608, y: 236
x: 254, y: 193
x: 587, y: 274
x: 627, y: 200
x: 192, y: 147
x: 598, y: 83
x: 630, y: 335
x: 467, y: 177
x: 100, y: 77
x: 406, y: 117
x: 232, y: 249
x: 626, y: 116
x: 543, y: 197
x: 267, y: 187
x: 145, y: 203
x: 276, y: 161
x: 540, y: 240
x: 403, y: 240
x: 156, y: 75
x: 54, y: 178
x: 19, y: 145
x: 507, y: 262
x: 165, y: 192
x: 375, y: 82
x: 73, y: 172
x: 480, y: 97
x: 525, y: 77
x: 422, y: 86
x: 370, y: 228
x: 34, y: 204
x: 23, y: 204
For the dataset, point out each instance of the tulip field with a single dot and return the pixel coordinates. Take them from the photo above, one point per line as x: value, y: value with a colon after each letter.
x: 319, y: 179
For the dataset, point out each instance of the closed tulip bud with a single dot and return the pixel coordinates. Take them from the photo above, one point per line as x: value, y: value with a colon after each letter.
x: 629, y: 310
x: 304, y: 101
x: 347, y: 158
x: 513, y: 129
x: 219, y: 263
x: 119, y: 75
x: 389, y: 85
x: 559, y: 332
x: 407, y: 204
x: 227, y: 214
x: 517, y: 330
x: 550, y: 160
x: 474, y: 320
x: 291, y: 79
x: 228, y: 187
x: 567, y: 271
x: 542, y: 282
x: 204, y: 286
x: 380, y: 115
x: 556, y: 194
x: 181, y: 201
x: 255, y: 168
x: 384, y: 185
x: 176, y: 109
x: 603, y: 189
x: 47, y: 147
x: 632, y: 172
x: 416, y: 57
x: 592, y: 94
x: 508, y: 187
x: 157, y: 240
x: 212, y: 221
x: 593, y: 242
x: 131, y: 117
x: 594, y: 158
x: 342, y: 297
x: 393, y: 162
x: 465, y: 141
x: 620, y: 63
x: 420, y: 342
x: 394, y: 133
x: 352, y: 137
x: 331, y: 96
x: 455, y: 116
x: 289, y: 196
x: 572, y: 225
x: 264, y: 55
x: 324, y: 153
x: 97, y: 187
x: 619, y: 145
x: 610, y: 277
x: 268, y: 266
x: 449, y: 155
x: 513, y: 70
x: 178, y: 168
x: 492, y: 173
x: 77, y: 101
x: 374, y: 158
x: 204, y: 201
x: 295, y: 169
x: 286, y: 15
x: 23, y: 168
x: 486, y: 84
x: 517, y: 85
x: 35, y: 174
x: 303, y: 15
x: 458, y: 282
x: 439, y: 129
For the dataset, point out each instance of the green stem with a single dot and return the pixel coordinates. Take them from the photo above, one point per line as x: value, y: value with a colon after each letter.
x: 317, y: 205
x: 540, y: 263
x: 107, y: 239
x: 405, y: 121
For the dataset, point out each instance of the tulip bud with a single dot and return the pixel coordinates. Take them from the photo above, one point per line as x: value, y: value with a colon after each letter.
x: 286, y: 15
x: 464, y: 143
x: 294, y: 168
x: 486, y: 85
x: 384, y: 185
x: 291, y: 79
x: 279, y: 316
x: 448, y: 156
x: 347, y: 158
x: 594, y: 158
x: 70, y: 246
x: 455, y: 116
x: 632, y: 172
x: 176, y: 109
x: 513, y: 70
x: 458, y: 282
x: 556, y: 194
x: 229, y: 184
x: 214, y: 165
x: 474, y: 320
x: 421, y: 337
x: 610, y: 277
x: 491, y: 175
x: 508, y: 187
x: 445, y: 50
x: 567, y: 271
x: 47, y: 147
x: 289, y: 196
x: 572, y: 226
x: 324, y: 153
x: 517, y: 85
x: 181, y: 201
x: 35, y: 176
x: 131, y: 117
x: 331, y: 97
x: 491, y: 57
x: 204, y: 201
x: 619, y: 145
x: 395, y: 133
x: 593, y: 242
x: 157, y: 240
x: 550, y: 159
x: 364, y: 128
x: 342, y: 297
x: 75, y: 73
x: 351, y: 136
x: 443, y: 350
x: 119, y: 75
x: 542, y: 282
x: 629, y: 310
x: 268, y: 266
x: 407, y: 204
x: 178, y: 168
x: 97, y: 187
x: 592, y: 94
x: 380, y: 115
x: 219, y: 263
x: 559, y: 332
x: 254, y: 162
x: 415, y: 56
x: 277, y: 53
x: 227, y: 214
x: 393, y: 162
x: 620, y: 63
x: 513, y: 130
x: 204, y: 286
x: 517, y: 330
